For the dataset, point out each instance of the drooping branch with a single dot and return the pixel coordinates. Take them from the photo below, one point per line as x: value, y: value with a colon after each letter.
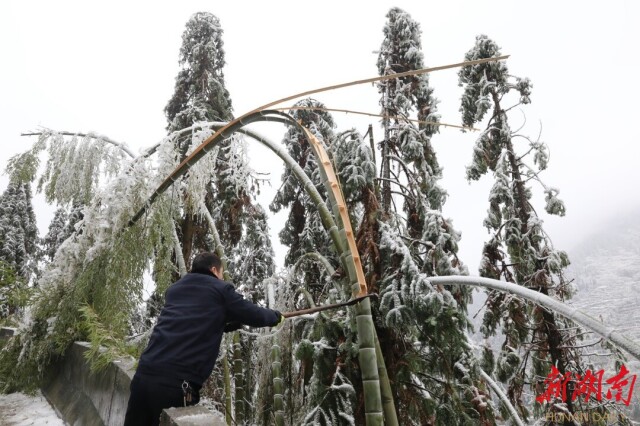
x: 92, y: 135
x: 178, y: 252
x: 505, y: 400
x: 317, y: 256
x: 554, y: 305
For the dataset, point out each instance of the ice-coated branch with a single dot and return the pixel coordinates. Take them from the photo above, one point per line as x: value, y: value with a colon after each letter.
x: 219, y: 248
x: 93, y: 135
x: 178, y: 250
x: 505, y: 400
x: 318, y: 257
x: 567, y: 311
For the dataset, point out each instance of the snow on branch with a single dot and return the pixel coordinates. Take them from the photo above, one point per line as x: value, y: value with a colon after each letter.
x: 567, y: 311
x: 74, y: 166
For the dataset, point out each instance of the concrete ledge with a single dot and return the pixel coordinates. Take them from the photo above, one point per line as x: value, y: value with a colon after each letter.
x: 190, y: 416
x: 6, y: 333
x: 83, y: 397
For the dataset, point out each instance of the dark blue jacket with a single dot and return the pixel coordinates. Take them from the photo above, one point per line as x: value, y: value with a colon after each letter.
x: 186, y: 339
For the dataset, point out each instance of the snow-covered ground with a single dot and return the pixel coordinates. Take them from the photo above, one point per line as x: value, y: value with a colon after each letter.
x: 18, y: 409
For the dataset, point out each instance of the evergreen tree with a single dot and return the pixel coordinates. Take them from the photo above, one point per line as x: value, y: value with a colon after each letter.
x: 200, y: 93
x: 253, y: 259
x: 519, y: 250
x: 18, y: 230
x: 303, y: 232
x: 199, y: 96
x: 55, y: 234
x: 14, y: 293
x: 62, y: 226
x: 401, y: 51
x: 403, y: 248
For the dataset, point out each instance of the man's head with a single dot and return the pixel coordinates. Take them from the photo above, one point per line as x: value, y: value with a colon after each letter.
x: 207, y: 262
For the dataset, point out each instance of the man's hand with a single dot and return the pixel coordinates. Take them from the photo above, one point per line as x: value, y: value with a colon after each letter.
x: 281, y: 320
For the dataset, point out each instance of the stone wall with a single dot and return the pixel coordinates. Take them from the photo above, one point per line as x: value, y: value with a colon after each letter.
x: 85, y: 398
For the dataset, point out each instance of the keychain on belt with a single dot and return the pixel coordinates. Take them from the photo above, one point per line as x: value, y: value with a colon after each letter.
x: 186, y: 392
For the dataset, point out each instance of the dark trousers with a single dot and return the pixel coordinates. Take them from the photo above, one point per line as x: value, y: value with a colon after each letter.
x: 150, y: 395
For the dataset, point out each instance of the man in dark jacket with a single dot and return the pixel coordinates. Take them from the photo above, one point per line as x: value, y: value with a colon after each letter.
x: 185, y: 342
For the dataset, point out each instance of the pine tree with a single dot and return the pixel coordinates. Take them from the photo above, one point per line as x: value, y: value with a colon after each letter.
x: 519, y: 250
x: 403, y: 248
x: 303, y: 232
x: 200, y: 93
x: 199, y: 96
x: 18, y: 230
x: 54, y: 236
x: 62, y: 226
x: 253, y: 259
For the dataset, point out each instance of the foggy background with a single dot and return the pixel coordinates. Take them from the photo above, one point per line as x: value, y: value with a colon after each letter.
x: 110, y: 68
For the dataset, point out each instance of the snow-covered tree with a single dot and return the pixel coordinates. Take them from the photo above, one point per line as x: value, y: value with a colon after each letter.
x: 303, y: 232
x: 62, y: 226
x: 199, y: 96
x: 401, y: 51
x: 14, y: 293
x: 404, y: 247
x: 18, y: 230
x: 253, y: 259
x: 55, y: 235
x: 519, y: 250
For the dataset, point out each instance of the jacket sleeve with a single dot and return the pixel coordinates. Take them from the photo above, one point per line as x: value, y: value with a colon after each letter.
x: 241, y: 310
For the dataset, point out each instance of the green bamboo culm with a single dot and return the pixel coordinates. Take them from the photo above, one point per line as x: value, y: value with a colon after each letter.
x: 278, y: 385
x: 227, y: 389
x: 367, y: 356
x: 388, y: 405
x: 238, y: 375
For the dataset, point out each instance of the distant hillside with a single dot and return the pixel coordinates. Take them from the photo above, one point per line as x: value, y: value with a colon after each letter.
x: 606, y: 269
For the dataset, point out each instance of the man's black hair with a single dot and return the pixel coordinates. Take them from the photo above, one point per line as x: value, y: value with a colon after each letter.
x: 203, y: 263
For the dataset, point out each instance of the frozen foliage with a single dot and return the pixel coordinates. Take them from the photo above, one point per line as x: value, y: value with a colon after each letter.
x: 410, y: 145
x: 55, y: 235
x: 74, y: 166
x: 14, y: 293
x: 342, y: 392
x: 103, y: 262
x: 354, y: 163
x: 401, y: 50
x: 200, y: 93
x: 303, y: 232
x: 518, y: 250
x: 252, y: 260
x: 407, y: 297
x: 18, y: 230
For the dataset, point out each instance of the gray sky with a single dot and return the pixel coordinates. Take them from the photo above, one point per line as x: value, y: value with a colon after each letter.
x: 109, y: 67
